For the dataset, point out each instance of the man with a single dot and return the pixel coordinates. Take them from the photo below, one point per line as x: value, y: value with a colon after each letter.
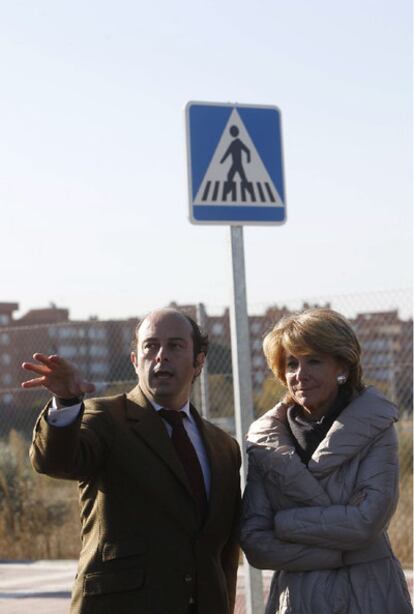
x: 157, y: 537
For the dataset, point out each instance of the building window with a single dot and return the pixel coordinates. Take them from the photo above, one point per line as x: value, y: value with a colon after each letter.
x: 96, y: 333
x: 6, y: 379
x: 217, y: 329
x: 4, y: 339
x: 5, y: 359
x: 255, y: 327
x: 258, y: 361
x: 380, y: 374
x: 7, y: 399
x: 379, y: 360
x: 98, y: 350
x: 258, y: 377
x: 67, y: 332
x: 67, y: 351
x: 4, y: 318
x: 99, y: 368
x: 376, y: 344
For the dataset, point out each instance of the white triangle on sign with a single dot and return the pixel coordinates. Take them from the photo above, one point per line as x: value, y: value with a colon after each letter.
x: 236, y: 174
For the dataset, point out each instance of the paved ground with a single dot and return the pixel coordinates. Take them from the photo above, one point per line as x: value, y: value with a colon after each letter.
x: 43, y: 587
x: 38, y: 587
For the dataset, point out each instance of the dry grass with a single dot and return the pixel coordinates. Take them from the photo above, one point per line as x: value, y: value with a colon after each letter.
x: 39, y: 516
x: 401, y: 527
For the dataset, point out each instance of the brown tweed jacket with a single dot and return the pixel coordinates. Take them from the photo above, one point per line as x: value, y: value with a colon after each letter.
x: 144, y: 549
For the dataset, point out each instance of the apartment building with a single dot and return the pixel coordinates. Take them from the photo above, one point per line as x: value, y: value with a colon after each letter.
x: 101, y: 349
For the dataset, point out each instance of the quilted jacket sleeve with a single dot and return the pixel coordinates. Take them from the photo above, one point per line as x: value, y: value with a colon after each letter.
x: 262, y: 548
x: 351, y: 526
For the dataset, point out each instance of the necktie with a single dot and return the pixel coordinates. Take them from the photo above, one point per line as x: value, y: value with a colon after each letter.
x: 187, y: 456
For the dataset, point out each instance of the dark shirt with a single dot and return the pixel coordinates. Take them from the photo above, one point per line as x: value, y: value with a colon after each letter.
x: 307, y: 434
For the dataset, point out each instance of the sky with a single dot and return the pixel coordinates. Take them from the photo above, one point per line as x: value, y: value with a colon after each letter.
x: 93, y: 170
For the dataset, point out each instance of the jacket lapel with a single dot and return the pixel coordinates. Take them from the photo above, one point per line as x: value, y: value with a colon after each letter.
x: 217, y: 484
x: 148, y: 426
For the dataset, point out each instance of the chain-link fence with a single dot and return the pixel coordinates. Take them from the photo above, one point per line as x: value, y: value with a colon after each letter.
x: 101, y: 349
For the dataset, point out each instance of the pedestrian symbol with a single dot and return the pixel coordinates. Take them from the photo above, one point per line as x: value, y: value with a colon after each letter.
x: 236, y: 172
x: 235, y: 149
x: 235, y: 165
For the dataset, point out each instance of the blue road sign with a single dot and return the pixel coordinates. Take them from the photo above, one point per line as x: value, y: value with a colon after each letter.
x: 235, y: 167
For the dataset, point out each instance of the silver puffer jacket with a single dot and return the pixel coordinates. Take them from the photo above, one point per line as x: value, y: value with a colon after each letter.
x: 322, y: 527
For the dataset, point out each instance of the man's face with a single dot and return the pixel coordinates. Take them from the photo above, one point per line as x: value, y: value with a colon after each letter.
x: 164, y: 359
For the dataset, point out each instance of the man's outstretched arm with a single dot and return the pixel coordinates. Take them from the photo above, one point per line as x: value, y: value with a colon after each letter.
x: 70, y: 449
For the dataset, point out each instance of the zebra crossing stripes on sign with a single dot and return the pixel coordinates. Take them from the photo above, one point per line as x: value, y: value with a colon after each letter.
x: 235, y: 164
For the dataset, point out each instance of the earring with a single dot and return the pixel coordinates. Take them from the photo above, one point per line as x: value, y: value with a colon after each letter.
x: 341, y: 379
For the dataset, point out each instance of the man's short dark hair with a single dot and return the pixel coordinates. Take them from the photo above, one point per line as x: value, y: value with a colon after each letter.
x: 200, y: 339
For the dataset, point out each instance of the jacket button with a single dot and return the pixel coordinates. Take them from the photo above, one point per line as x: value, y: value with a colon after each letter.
x: 188, y: 578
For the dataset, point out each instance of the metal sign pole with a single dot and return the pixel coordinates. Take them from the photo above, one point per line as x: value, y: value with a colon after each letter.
x: 243, y: 397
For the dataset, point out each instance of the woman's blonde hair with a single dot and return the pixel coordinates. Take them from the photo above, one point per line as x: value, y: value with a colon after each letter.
x: 318, y: 330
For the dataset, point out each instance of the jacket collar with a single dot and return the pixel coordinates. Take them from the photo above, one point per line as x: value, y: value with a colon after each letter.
x: 362, y: 420
x: 149, y: 426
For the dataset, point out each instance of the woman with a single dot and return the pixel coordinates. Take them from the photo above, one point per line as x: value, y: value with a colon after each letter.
x: 323, y: 477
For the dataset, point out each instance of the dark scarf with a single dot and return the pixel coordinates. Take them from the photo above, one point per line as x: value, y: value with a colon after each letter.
x: 308, y: 434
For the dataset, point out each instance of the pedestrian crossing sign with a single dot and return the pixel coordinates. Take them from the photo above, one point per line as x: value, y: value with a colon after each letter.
x: 235, y: 166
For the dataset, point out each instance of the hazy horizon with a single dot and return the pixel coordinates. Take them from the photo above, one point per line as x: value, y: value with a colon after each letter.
x: 93, y: 163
